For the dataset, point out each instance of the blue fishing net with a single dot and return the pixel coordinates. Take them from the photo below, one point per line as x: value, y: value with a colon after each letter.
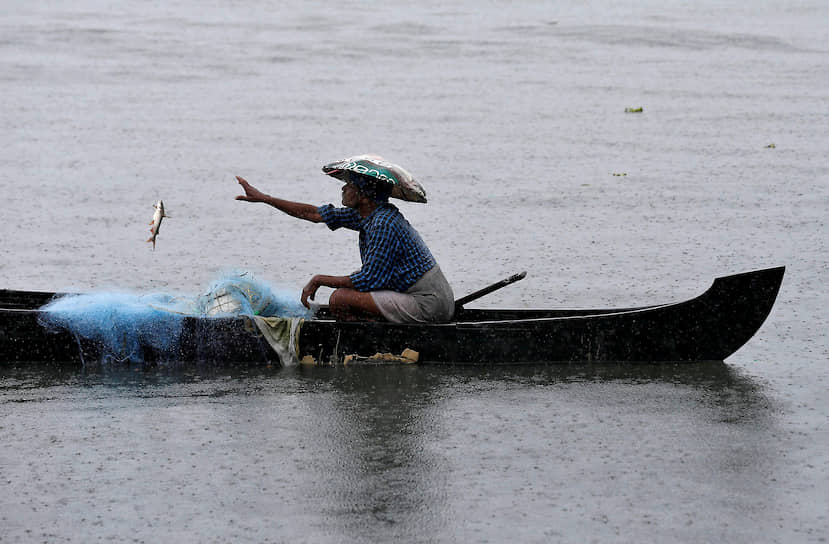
x: 242, y: 293
x: 123, y: 326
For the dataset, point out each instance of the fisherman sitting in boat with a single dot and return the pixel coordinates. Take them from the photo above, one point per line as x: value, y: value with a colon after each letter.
x: 399, y: 280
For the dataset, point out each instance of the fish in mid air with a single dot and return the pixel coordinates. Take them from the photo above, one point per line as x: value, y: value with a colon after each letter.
x: 155, y: 224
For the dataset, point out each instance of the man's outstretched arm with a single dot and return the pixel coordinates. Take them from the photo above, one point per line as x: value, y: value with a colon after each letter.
x: 295, y: 209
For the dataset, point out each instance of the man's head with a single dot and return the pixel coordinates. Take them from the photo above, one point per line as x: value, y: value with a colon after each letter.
x: 376, y: 190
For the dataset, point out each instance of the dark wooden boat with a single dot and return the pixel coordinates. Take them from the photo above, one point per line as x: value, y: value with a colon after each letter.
x: 709, y: 327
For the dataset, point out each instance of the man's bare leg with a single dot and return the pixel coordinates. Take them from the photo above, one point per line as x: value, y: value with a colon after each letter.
x: 352, y: 305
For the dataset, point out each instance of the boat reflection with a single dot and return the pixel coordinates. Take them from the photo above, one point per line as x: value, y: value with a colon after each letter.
x: 411, y: 446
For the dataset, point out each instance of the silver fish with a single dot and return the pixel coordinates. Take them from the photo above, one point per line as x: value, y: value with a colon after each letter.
x: 155, y: 224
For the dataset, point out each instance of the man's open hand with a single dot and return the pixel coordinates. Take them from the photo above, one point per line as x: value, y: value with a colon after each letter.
x: 252, y: 194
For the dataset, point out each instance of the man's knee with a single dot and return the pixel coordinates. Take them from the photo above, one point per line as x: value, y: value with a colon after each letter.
x: 341, y: 298
x: 345, y: 302
x: 335, y: 299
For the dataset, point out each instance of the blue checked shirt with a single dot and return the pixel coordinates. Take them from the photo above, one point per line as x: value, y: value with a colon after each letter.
x: 393, y: 254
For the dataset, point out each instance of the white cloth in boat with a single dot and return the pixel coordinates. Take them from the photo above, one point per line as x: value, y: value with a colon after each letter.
x: 282, y: 333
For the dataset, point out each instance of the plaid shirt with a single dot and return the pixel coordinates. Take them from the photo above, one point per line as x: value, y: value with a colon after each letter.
x: 393, y: 254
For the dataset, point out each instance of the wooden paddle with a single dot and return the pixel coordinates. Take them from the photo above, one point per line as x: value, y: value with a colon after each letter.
x: 487, y: 290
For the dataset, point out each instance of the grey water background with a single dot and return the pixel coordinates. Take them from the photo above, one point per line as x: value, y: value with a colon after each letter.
x: 512, y: 114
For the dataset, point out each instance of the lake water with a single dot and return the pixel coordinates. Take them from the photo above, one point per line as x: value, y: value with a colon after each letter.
x: 512, y: 115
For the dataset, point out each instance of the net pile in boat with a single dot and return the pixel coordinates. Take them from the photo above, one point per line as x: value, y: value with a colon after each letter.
x: 241, y: 293
x: 124, y: 325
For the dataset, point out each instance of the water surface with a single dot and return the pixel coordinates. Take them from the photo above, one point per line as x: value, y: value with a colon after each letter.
x: 674, y: 452
x: 513, y: 118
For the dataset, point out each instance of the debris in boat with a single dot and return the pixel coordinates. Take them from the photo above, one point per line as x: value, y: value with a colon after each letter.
x: 408, y: 356
x: 155, y: 224
x: 633, y: 110
x: 770, y: 146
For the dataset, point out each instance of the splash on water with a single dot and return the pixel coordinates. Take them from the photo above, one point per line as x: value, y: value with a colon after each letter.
x: 125, y: 325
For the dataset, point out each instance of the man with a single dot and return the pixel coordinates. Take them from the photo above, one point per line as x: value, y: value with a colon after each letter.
x: 399, y: 281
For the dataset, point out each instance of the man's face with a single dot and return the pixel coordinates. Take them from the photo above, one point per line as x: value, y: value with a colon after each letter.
x: 351, y: 195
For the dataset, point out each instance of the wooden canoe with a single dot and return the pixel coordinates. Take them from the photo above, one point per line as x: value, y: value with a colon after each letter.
x: 710, y: 327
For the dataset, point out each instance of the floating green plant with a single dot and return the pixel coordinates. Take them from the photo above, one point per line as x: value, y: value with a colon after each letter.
x: 633, y: 110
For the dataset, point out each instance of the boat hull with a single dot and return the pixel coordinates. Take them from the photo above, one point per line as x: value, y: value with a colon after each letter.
x: 710, y: 327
